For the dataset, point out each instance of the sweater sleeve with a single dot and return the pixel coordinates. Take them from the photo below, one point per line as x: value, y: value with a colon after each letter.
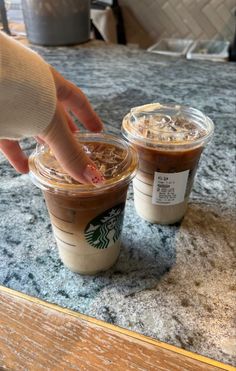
x: 27, y: 91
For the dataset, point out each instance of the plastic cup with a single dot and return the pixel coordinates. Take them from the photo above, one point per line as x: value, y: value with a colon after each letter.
x: 87, y: 220
x: 169, y: 140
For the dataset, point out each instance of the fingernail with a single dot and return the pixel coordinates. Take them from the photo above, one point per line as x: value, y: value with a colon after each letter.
x: 92, y: 175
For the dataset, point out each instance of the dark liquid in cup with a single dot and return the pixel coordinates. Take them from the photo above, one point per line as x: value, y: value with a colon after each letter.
x: 87, y: 220
x: 151, y: 162
x: 169, y: 141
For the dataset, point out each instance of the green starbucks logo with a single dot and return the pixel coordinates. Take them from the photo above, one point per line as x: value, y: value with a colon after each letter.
x: 104, y: 230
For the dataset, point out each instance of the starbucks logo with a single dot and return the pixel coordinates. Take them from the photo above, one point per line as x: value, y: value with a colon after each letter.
x: 104, y: 230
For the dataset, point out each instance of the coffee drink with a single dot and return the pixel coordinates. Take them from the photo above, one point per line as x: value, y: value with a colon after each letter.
x: 86, y: 219
x: 169, y: 140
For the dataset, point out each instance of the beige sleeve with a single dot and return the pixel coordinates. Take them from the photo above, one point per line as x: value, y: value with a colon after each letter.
x: 27, y: 91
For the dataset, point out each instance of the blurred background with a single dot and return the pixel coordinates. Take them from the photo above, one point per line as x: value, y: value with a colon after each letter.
x: 147, y: 21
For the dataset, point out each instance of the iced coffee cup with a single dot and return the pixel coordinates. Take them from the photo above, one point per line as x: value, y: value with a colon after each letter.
x: 169, y: 140
x: 86, y: 219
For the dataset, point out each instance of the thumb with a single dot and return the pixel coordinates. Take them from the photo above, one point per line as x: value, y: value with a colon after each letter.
x: 68, y: 152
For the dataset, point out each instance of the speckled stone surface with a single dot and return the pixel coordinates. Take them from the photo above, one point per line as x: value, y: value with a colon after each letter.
x: 174, y: 283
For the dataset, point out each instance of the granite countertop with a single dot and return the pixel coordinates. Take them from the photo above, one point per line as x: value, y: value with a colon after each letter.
x: 173, y: 283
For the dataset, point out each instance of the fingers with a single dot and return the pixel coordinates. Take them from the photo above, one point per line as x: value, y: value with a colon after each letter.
x: 75, y: 100
x: 68, y: 151
x: 11, y: 149
x: 39, y: 140
x: 73, y: 127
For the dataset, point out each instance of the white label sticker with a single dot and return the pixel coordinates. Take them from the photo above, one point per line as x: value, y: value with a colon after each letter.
x: 169, y: 188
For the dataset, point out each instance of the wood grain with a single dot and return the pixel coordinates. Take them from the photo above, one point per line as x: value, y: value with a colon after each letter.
x: 35, y: 335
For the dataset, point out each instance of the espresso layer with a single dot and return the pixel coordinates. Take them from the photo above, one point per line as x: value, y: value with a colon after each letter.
x: 88, y: 229
x: 153, y: 161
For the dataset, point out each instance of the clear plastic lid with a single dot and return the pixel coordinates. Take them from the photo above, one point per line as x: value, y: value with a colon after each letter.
x: 167, y: 126
x: 114, y: 157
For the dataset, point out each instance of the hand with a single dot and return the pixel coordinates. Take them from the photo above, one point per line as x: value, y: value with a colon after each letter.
x: 59, y: 134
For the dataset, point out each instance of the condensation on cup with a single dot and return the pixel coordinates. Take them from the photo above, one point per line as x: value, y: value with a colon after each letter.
x: 86, y: 219
x: 169, y: 140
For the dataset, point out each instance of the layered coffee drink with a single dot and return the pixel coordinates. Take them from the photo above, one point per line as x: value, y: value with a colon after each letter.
x: 169, y: 140
x: 86, y: 219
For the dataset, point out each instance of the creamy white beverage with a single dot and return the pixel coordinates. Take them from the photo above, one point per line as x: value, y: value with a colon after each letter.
x: 169, y: 140
x: 87, y: 220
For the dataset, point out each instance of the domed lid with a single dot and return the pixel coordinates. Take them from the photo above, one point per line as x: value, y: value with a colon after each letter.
x: 115, y: 159
x: 157, y: 125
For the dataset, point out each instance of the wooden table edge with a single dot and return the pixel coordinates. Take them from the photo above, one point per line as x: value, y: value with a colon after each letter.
x: 118, y: 330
